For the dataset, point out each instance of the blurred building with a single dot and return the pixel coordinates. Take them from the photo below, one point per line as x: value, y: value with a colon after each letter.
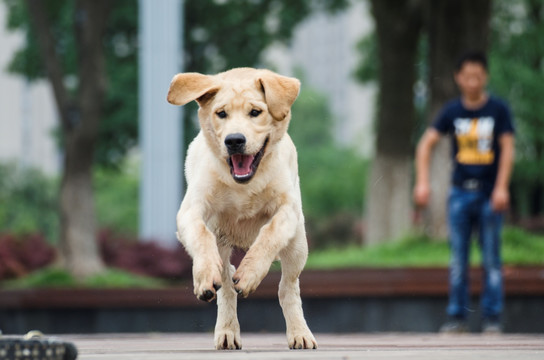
x: 324, y: 47
x: 27, y: 112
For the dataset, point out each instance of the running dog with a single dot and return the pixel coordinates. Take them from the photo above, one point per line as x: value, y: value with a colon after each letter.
x: 243, y: 191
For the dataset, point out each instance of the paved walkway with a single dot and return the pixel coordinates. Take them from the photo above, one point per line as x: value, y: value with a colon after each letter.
x: 185, y: 346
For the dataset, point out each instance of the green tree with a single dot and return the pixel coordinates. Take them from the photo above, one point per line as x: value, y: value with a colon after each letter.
x: 221, y: 35
x: 398, y: 26
x: 226, y: 34
x: 118, y: 132
x: 87, y: 49
x: 517, y: 69
x: 414, y: 40
x: 214, y: 41
x: 67, y: 44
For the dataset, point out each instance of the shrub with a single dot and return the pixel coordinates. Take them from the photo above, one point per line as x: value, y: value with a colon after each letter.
x: 116, y: 197
x: 340, y: 229
x: 144, y: 258
x: 23, y: 254
x: 20, y: 255
x: 28, y: 202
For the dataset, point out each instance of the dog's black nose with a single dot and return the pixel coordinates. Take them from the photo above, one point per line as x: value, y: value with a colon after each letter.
x: 235, y: 143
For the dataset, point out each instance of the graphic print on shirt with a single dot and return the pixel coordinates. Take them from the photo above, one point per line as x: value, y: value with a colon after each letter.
x: 475, y: 140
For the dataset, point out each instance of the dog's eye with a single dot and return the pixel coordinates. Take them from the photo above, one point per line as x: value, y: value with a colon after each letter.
x: 255, y: 113
x: 222, y: 114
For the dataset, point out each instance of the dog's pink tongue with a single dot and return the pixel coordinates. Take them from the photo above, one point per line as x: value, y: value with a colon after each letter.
x: 242, y: 164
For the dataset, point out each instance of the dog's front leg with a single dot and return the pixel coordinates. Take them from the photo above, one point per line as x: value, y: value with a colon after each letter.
x: 293, y: 258
x: 272, y: 237
x: 227, y: 327
x: 201, y: 245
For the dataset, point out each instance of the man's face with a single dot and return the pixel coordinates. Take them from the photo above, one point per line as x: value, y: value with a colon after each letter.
x: 471, y: 80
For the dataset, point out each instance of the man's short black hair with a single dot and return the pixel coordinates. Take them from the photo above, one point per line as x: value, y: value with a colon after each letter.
x: 473, y: 57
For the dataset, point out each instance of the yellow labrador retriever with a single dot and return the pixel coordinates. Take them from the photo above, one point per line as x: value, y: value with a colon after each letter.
x: 243, y: 191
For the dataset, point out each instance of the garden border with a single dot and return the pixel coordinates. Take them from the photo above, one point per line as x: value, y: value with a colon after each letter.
x: 341, y: 283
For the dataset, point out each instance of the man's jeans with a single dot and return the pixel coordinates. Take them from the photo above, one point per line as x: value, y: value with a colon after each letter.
x: 468, y: 210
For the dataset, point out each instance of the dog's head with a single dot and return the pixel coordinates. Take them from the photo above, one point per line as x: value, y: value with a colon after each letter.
x: 243, y: 113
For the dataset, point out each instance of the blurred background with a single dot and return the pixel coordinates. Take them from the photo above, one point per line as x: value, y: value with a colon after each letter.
x: 91, y: 154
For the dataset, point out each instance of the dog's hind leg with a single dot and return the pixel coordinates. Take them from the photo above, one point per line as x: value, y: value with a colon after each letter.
x: 293, y: 258
x: 227, y: 328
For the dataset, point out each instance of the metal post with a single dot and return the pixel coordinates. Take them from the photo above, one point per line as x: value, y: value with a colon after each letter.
x: 160, y: 123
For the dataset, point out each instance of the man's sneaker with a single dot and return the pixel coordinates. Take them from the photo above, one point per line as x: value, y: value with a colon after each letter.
x: 454, y: 326
x: 491, y: 326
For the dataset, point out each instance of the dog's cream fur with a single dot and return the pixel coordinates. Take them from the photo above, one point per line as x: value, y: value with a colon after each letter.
x: 263, y: 215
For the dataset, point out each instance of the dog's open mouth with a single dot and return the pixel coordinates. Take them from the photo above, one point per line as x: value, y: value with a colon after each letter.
x: 244, y: 166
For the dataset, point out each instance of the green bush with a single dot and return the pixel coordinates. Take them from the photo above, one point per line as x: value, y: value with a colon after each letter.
x: 116, y: 194
x: 332, y: 177
x: 28, y: 202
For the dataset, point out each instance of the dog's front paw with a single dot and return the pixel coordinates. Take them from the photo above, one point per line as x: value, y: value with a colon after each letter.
x: 301, y: 340
x: 207, y: 279
x: 227, y: 339
x: 248, y: 276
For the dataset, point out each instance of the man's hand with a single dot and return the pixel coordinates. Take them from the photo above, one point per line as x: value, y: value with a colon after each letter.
x: 500, y: 199
x: 422, y: 194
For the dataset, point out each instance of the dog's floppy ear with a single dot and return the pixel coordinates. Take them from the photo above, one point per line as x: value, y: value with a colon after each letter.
x: 280, y: 92
x: 187, y: 87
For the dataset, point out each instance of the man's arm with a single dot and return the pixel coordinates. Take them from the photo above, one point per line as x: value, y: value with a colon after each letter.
x: 422, y: 188
x: 500, y: 198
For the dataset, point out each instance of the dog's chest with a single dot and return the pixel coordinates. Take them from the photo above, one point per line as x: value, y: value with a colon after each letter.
x: 236, y: 219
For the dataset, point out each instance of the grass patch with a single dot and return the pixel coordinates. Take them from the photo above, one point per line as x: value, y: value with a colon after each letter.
x: 518, y: 248
x: 410, y: 251
x: 113, y: 278
x: 53, y: 277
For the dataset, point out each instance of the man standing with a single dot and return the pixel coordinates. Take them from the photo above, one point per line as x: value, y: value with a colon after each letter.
x: 483, y: 150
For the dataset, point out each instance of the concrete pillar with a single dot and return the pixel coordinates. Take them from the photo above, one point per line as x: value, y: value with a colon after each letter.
x: 160, y: 123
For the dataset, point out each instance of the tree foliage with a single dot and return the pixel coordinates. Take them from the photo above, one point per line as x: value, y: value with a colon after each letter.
x: 118, y: 132
x: 214, y: 41
x: 220, y: 35
x: 332, y: 177
x: 516, y: 54
x: 226, y: 34
x: 27, y: 202
x: 517, y: 70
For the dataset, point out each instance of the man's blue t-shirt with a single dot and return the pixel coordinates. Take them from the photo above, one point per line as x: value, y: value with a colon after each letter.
x: 475, y: 134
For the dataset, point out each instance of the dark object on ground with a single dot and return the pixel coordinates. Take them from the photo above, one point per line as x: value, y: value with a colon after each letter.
x: 35, y: 346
